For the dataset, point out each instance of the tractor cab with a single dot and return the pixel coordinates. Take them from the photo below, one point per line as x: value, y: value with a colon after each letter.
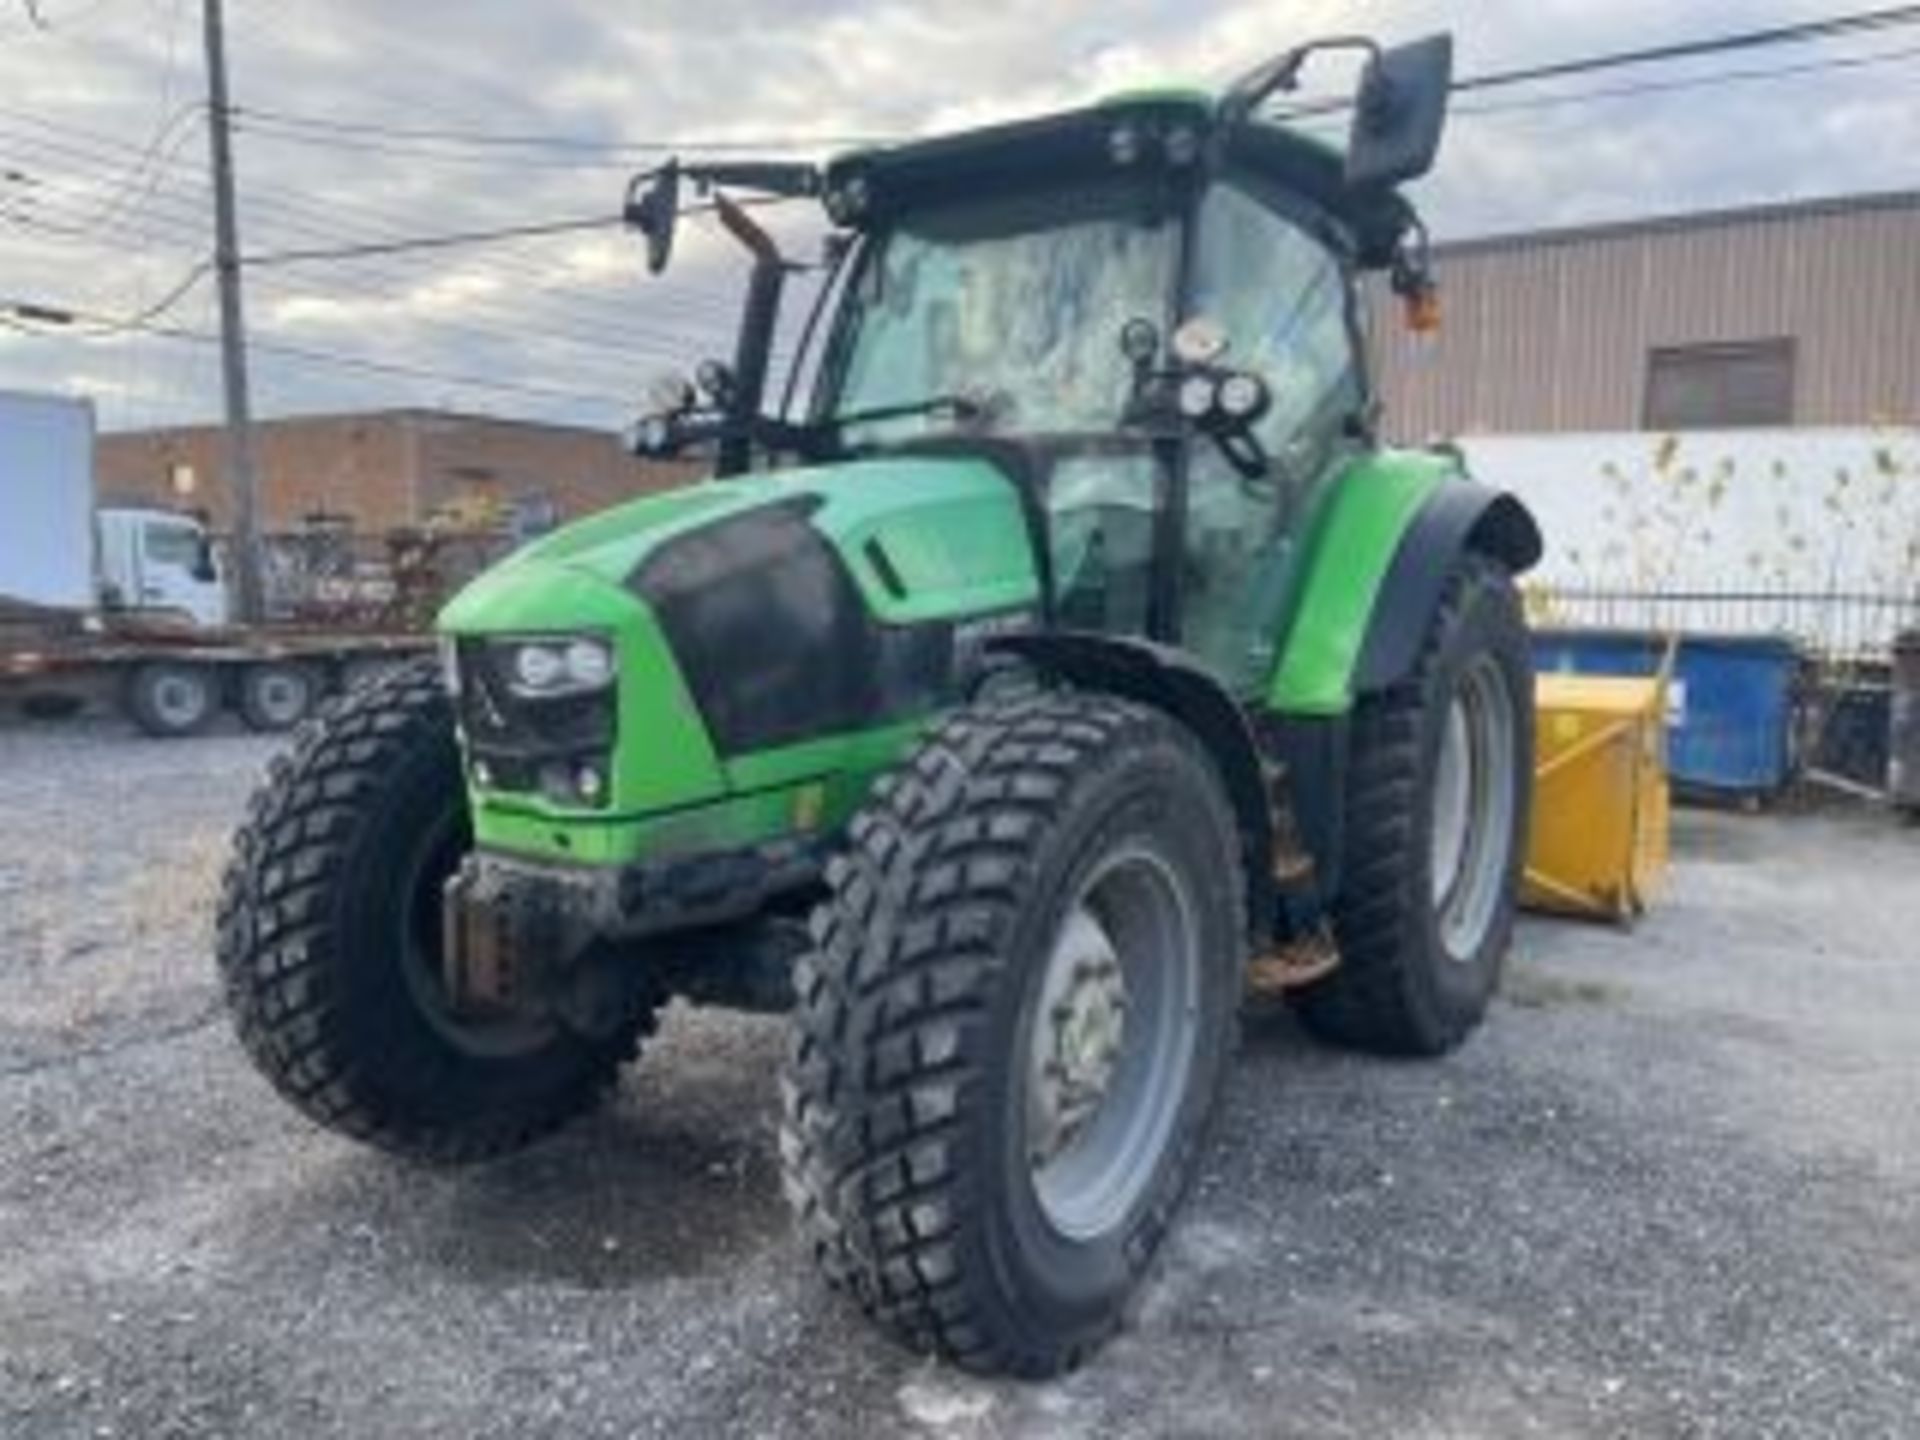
x: 1145, y: 310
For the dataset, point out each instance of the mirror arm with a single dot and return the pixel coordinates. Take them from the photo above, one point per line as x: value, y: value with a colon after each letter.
x: 1282, y: 73
x: 753, y: 349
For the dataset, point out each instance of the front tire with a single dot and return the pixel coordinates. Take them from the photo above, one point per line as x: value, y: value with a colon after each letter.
x: 1012, y: 1029
x: 1439, y: 788
x: 329, y: 942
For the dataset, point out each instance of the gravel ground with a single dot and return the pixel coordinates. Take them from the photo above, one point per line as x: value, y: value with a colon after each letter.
x: 1672, y: 1188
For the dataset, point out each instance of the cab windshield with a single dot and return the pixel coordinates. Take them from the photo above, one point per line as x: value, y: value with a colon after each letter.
x: 1011, y: 306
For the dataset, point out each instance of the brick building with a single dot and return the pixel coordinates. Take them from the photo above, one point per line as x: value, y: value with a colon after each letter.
x: 384, y: 469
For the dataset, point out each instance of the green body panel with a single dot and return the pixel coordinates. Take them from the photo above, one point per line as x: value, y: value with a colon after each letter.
x: 1351, y: 537
x: 951, y: 532
x: 956, y: 545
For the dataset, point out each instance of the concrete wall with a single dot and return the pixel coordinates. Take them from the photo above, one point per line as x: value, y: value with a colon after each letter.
x: 383, y: 469
x: 1812, y: 532
x: 1551, y: 332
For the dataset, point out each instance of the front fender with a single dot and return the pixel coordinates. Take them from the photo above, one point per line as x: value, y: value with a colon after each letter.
x: 1172, y: 681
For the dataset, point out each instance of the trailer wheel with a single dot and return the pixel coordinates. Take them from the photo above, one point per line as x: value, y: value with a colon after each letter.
x: 1438, y: 794
x: 169, y: 699
x: 276, y: 696
x: 1011, y: 1030
x: 328, y: 937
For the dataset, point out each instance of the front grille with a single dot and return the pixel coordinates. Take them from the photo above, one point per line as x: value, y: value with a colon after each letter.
x: 525, y: 744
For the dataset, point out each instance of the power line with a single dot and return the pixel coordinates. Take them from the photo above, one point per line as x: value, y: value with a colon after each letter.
x: 284, y: 125
x: 403, y: 244
x: 621, y: 344
x: 99, y: 326
x: 87, y: 145
x: 82, y: 156
x: 1862, y: 21
x: 1866, y: 20
x: 484, y: 139
x: 1660, y: 87
x: 449, y: 239
x: 1663, y: 87
x: 51, y: 314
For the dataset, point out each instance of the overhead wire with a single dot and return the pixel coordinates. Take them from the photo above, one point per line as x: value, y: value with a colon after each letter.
x: 551, y: 140
x: 1693, y: 82
x: 315, y: 355
x: 1803, y: 32
x: 348, y: 134
x: 592, y: 322
x: 85, y: 147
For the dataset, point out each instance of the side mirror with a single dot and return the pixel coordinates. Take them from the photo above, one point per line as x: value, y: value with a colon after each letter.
x: 203, y: 569
x: 1398, y: 112
x: 654, y: 437
x: 716, y: 381
x: 657, y: 432
x: 654, y: 214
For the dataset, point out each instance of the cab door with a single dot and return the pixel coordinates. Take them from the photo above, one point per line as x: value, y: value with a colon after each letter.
x: 177, y: 571
x: 1281, y: 297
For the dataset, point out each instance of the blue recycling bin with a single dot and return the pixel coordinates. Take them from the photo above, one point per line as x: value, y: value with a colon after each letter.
x: 1730, y: 724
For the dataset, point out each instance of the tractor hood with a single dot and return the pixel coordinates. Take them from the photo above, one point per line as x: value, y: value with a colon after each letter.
x: 773, y: 636
x: 921, y: 538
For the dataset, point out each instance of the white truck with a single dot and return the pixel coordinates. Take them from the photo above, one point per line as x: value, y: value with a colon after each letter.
x: 129, y: 605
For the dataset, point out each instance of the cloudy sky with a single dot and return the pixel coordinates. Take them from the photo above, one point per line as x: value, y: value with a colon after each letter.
x: 104, y: 206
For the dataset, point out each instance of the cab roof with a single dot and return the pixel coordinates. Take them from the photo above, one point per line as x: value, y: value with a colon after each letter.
x: 1162, y: 132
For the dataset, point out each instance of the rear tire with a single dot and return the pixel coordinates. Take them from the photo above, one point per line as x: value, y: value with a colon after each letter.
x: 1420, y: 960
x: 277, y: 697
x: 972, y: 1205
x: 168, y: 699
x: 328, y: 943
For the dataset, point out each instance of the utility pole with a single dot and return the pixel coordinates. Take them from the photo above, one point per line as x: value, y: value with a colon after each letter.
x: 241, y: 481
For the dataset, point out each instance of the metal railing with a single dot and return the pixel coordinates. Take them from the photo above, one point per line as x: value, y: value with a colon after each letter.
x: 1845, y: 638
x: 1842, y: 627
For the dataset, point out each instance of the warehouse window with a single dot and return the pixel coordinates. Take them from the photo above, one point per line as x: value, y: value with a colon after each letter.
x: 1704, y: 387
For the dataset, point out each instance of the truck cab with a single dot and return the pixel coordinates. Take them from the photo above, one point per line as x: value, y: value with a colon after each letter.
x: 159, y: 560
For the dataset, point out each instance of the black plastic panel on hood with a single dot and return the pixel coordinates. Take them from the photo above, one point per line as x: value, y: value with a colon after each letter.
x: 774, y: 638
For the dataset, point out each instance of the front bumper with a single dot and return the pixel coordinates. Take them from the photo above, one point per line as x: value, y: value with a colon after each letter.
x: 515, y: 927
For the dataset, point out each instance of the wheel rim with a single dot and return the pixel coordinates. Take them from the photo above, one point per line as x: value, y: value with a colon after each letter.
x: 1112, y: 1043
x: 281, y: 696
x: 179, y: 700
x: 1473, y: 808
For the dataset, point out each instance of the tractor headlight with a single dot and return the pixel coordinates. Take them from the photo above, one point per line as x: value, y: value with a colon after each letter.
x: 1242, y: 396
x: 542, y: 669
x: 1198, y: 395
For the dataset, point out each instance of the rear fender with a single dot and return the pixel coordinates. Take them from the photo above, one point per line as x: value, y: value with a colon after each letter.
x: 1455, y: 519
x: 1376, y: 555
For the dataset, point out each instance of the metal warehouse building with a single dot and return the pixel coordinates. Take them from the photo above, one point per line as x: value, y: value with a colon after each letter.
x: 1802, y: 314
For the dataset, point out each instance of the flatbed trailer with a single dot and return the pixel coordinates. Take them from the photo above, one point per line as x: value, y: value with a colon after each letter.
x: 175, y: 682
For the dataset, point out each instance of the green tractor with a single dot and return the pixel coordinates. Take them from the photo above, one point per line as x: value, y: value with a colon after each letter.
x: 1070, y: 653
